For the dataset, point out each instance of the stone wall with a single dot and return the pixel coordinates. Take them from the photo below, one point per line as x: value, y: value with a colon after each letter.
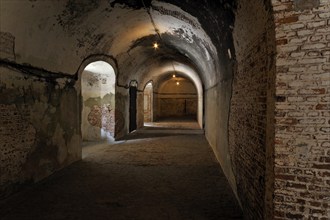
x: 98, y: 113
x: 302, y: 147
x: 251, y: 107
x: 39, y: 127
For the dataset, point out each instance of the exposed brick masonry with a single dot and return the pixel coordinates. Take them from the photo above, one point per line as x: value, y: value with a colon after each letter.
x: 302, y: 148
x: 248, y: 126
x: 249, y: 110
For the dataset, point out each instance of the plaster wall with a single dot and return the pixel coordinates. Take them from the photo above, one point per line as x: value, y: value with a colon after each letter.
x: 148, y: 103
x: 98, y: 97
x: 217, y: 108
x: 39, y: 127
x: 73, y: 30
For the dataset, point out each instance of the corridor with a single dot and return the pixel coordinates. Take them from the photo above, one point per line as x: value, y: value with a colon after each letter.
x: 253, y: 75
x: 151, y: 176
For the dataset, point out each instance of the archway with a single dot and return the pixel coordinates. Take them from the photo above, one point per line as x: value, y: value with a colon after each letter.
x: 148, y: 103
x: 98, y: 101
x: 177, y: 100
x: 161, y: 72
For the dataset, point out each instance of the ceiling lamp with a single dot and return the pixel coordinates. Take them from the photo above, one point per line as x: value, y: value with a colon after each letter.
x: 174, y: 74
x: 155, y: 45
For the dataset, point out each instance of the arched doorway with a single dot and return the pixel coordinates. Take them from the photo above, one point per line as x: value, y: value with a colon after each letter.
x: 98, y: 101
x: 159, y: 74
x: 177, y: 99
x: 148, y: 103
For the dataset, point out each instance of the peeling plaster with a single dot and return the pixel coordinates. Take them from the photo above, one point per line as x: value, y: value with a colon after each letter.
x: 48, y: 129
x: 80, y: 31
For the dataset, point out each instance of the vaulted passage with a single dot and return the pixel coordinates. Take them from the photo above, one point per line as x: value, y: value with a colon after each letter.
x: 250, y: 76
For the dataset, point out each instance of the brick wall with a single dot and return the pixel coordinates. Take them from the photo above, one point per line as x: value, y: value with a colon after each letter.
x: 302, y: 147
x: 251, y: 118
x: 247, y: 128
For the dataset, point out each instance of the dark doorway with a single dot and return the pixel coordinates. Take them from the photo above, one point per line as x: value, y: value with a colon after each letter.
x: 132, y: 108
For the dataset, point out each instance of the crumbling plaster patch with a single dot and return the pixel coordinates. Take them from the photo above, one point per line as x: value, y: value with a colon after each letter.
x: 182, y: 24
x: 64, y: 24
x: 98, y: 101
x: 35, y: 102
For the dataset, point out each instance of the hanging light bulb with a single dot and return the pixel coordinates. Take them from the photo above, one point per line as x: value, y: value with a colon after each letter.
x: 177, y: 83
x: 174, y: 76
x: 155, y: 45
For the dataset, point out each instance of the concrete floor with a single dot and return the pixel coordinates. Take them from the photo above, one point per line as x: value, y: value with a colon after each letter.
x: 153, y: 176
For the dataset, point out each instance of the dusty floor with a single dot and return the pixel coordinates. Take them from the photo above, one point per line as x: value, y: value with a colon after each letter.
x: 151, y: 177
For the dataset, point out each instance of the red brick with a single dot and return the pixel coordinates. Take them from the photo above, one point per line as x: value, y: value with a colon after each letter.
x: 322, y: 107
x: 321, y: 166
x: 319, y: 91
x: 282, y: 42
x: 287, y: 20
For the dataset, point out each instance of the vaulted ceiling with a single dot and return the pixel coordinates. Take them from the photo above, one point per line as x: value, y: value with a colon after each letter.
x: 58, y: 35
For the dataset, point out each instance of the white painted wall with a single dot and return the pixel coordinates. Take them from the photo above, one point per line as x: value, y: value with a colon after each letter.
x: 98, y: 89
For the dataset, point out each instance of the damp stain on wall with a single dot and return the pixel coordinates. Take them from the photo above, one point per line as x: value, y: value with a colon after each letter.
x: 38, y: 132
